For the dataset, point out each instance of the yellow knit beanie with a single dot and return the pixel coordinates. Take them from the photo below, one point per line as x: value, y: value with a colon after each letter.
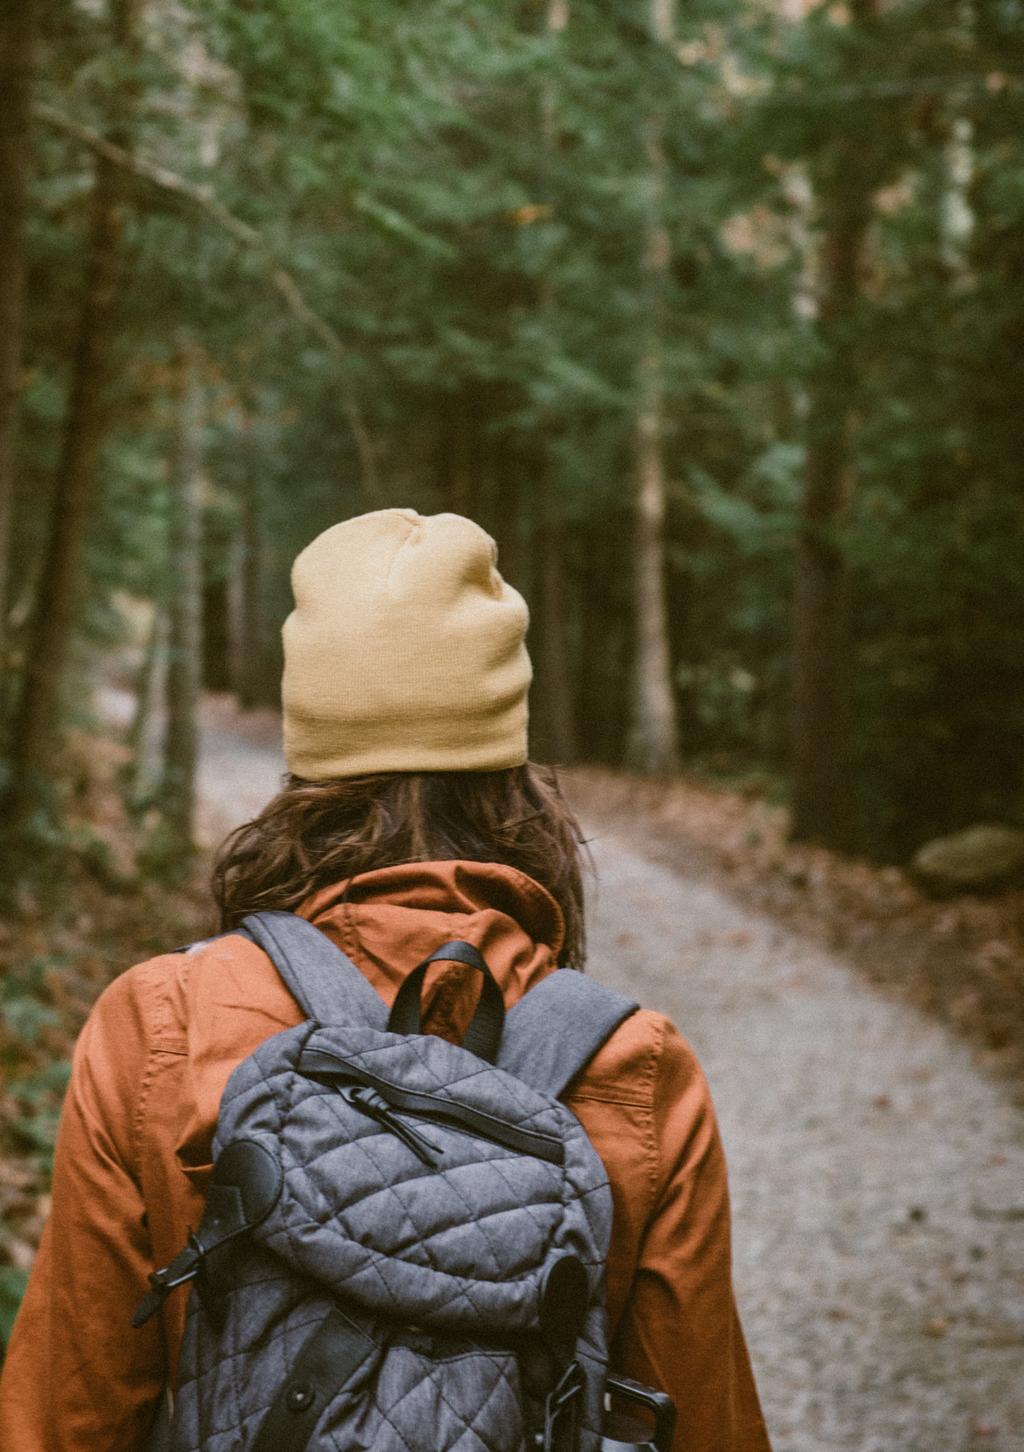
x: 405, y: 651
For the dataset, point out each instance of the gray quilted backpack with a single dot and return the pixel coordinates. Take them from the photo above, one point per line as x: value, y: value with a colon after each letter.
x: 404, y: 1241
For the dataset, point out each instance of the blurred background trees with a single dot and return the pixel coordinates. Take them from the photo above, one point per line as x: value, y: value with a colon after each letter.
x: 712, y: 315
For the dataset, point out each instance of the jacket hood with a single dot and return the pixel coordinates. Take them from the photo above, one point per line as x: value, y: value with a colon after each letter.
x: 387, y: 921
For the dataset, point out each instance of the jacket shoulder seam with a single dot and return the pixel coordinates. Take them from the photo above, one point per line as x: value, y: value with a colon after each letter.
x: 138, y: 1118
x: 651, y: 1137
x: 161, y: 1039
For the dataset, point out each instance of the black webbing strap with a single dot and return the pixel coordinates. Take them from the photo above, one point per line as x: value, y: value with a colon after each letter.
x: 329, y: 1358
x: 483, y: 1037
x: 246, y: 1186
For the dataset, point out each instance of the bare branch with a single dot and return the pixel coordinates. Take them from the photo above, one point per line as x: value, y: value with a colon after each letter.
x: 281, y: 280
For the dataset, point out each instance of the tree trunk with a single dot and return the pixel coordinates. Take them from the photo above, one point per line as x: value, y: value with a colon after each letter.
x: 822, y: 792
x: 458, y: 475
x: 217, y: 635
x: 653, y: 738
x: 17, y: 27
x: 146, y: 735
x: 956, y: 219
x: 554, y: 738
x: 956, y: 211
x: 514, y: 544
x: 652, y: 744
x: 258, y: 683
x: 604, y: 648
x: 822, y: 783
x: 78, y: 464
x: 185, y: 606
x: 252, y: 624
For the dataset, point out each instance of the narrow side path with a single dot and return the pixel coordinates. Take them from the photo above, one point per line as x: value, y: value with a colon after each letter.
x: 240, y: 767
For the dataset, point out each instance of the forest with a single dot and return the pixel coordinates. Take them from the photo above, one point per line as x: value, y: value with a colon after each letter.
x: 712, y: 314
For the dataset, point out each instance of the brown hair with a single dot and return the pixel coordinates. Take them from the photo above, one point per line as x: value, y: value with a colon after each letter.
x: 317, y: 833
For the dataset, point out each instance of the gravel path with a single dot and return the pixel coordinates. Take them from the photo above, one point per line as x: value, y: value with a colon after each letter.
x: 877, y: 1177
x: 238, y: 770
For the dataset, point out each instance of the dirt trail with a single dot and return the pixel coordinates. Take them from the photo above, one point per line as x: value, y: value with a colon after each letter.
x: 877, y: 1177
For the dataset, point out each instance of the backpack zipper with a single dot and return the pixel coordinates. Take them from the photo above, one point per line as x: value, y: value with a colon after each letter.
x: 432, y: 1108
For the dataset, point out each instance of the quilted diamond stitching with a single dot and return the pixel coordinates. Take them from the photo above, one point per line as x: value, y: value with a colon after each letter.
x: 325, y: 1210
x: 309, y: 1210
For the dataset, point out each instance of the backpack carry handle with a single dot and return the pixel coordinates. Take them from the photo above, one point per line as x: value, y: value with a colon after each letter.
x: 483, y: 1037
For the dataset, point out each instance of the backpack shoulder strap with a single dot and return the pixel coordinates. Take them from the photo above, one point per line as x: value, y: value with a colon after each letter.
x: 326, y: 984
x: 557, y: 1027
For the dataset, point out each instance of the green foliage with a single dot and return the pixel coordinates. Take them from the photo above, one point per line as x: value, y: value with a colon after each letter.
x: 463, y: 195
x: 38, y: 1098
x: 35, y: 1081
x: 12, y: 1287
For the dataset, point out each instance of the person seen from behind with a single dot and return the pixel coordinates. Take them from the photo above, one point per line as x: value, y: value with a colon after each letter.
x: 410, y: 816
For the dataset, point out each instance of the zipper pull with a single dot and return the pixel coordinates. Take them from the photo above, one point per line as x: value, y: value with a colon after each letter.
x: 424, y: 1149
x: 377, y: 1107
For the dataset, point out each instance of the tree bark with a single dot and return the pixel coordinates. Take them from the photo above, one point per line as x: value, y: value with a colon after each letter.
x: 956, y: 210
x: 258, y: 680
x: 17, y: 34
x: 461, y: 483
x: 956, y: 218
x: 252, y: 656
x: 185, y: 606
x: 78, y: 465
x: 555, y: 735
x: 653, y: 743
x: 604, y: 681
x: 823, y: 807
x: 146, y: 735
x: 217, y: 635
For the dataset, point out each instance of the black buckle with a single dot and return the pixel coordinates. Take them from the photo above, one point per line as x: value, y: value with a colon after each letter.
x: 561, y: 1412
x: 625, y: 1434
x: 184, y: 1267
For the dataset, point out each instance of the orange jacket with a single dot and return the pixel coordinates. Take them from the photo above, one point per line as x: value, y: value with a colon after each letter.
x: 133, y: 1160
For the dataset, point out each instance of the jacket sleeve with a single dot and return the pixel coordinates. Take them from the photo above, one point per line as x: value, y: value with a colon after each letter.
x: 680, y: 1330
x: 76, y: 1374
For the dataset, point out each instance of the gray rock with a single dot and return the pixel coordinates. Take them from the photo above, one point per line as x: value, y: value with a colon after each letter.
x: 979, y: 859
